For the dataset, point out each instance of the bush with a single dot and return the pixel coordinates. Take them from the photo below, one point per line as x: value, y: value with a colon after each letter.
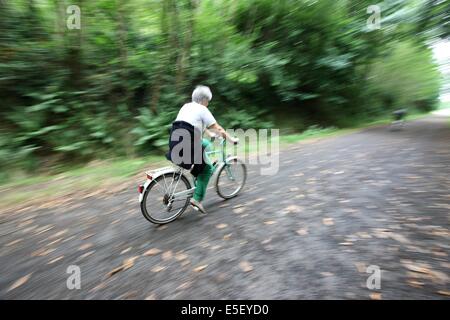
x: 407, y: 78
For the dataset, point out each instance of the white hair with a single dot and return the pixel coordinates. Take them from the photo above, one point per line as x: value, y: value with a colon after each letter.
x: 201, y: 93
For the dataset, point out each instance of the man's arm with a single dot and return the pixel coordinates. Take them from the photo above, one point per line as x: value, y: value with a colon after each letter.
x: 218, y: 128
x: 209, y: 133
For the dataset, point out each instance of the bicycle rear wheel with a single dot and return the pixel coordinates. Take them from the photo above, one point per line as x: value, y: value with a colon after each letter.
x: 157, y: 204
x: 231, y: 178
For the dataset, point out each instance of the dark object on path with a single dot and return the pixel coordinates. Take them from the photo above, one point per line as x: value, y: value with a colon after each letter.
x: 399, y: 119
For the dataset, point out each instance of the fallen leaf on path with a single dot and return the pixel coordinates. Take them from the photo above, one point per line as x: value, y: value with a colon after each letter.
x: 158, y: 269
x: 152, y: 252
x: 444, y: 293
x: 167, y: 255
x: 270, y: 222
x: 180, y: 256
x: 221, y: 277
x: 84, y: 255
x: 417, y: 268
x: 200, y: 268
x: 221, y: 226
x: 151, y: 297
x: 238, y: 210
x: 399, y: 238
x: 184, y: 286
x: 53, y: 242
x: 422, y: 270
x: 302, y: 231
x: 58, y: 234
x: 375, y: 296
x: 87, y: 236
x: 414, y: 283
x: 294, y: 209
x: 44, y: 229
x: 227, y: 236
x: 42, y: 252
x: 127, y: 264
x: 364, y: 235
x: 19, y: 282
x: 98, y: 287
x: 326, y: 274
x: 13, y: 243
x: 85, y: 246
x: 361, y: 267
x: 55, y: 260
x: 382, y: 233
x: 328, y: 221
x: 245, y: 266
x: 126, y: 250
x: 114, y: 271
x: 25, y: 223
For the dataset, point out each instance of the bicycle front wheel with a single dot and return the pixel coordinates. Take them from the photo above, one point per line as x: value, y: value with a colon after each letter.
x: 158, y: 204
x: 231, y: 178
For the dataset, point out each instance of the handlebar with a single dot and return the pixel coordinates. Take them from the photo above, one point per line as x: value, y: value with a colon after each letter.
x: 221, y: 139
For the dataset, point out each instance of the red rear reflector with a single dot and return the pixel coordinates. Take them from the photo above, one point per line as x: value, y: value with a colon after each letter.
x: 149, y: 177
x: 141, y: 188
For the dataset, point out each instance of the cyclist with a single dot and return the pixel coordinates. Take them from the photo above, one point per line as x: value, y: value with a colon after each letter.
x: 197, y: 114
x: 399, y: 118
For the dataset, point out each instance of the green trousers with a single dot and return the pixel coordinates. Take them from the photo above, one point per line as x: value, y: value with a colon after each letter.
x: 203, y: 178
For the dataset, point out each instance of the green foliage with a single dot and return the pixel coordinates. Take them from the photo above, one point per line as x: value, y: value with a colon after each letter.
x: 152, y: 131
x: 113, y: 87
x: 407, y: 77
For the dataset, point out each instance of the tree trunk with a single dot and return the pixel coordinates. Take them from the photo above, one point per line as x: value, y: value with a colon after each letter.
x: 183, y: 62
x: 162, y: 59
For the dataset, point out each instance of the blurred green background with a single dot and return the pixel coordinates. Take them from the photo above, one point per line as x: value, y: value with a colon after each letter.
x: 111, y: 89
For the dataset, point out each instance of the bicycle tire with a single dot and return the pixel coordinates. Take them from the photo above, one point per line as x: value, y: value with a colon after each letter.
x: 154, y: 220
x: 242, y: 184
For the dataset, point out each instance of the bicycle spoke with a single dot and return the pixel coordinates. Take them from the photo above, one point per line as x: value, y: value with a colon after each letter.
x: 165, y: 184
x: 158, y: 207
x: 157, y: 184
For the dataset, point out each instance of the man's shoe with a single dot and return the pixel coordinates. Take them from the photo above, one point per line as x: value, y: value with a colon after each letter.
x: 198, y: 206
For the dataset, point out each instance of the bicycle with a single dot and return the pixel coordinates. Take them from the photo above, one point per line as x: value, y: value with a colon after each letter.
x: 171, y: 188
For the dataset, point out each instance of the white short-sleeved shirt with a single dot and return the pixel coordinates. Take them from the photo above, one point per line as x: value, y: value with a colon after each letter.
x: 196, y: 114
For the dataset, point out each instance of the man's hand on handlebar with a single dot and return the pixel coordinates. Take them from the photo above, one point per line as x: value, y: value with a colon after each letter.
x: 222, y: 133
